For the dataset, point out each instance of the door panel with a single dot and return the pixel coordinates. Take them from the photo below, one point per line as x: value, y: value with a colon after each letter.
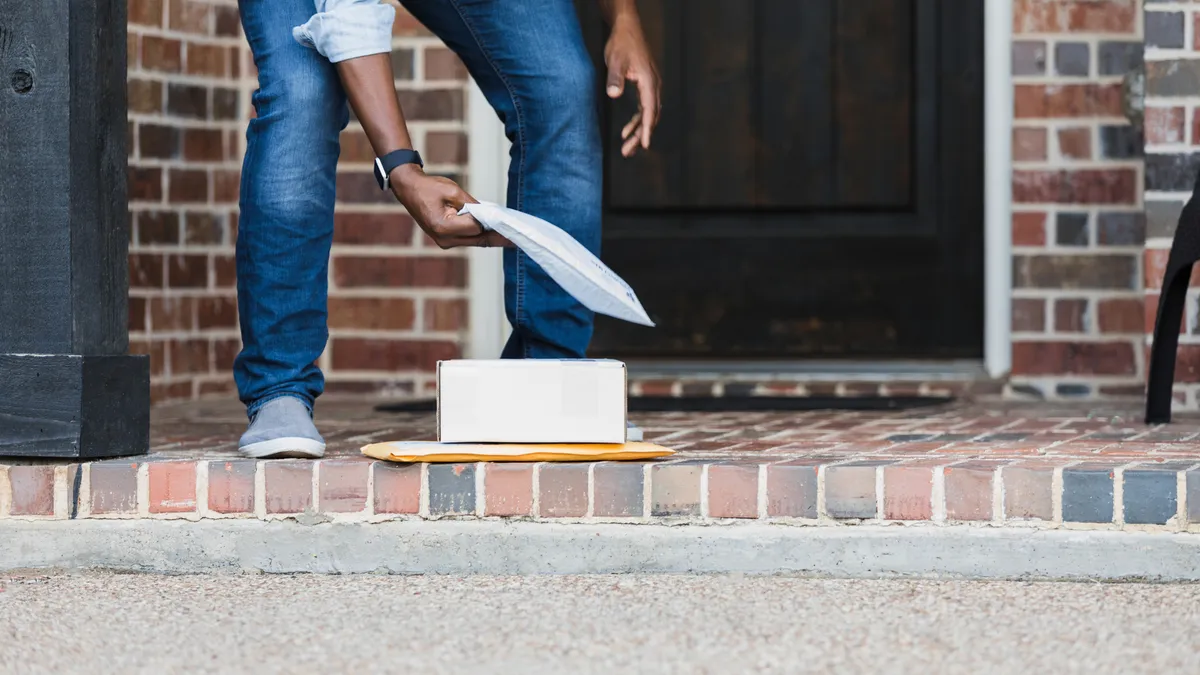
x: 814, y: 188
x: 873, y: 101
x: 796, y: 160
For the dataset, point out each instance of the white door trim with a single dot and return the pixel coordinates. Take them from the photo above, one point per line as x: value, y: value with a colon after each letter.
x: 488, y: 167
x: 487, y: 180
x: 997, y: 192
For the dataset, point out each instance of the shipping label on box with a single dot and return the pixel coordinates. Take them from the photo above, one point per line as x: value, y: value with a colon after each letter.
x: 531, y: 401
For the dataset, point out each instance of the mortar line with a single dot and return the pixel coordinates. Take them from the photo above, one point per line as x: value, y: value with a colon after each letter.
x: 535, y: 504
x: 879, y: 500
x: 418, y: 62
x: 998, y: 514
x: 1181, y: 499
x: 938, y: 495
x: 202, y: 509
x: 821, y: 510
x: 61, y: 493
x: 591, y: 490
x: 142, y: 490
x: 1119, y: 496
x: 85, y: 491
x: 647, y: 505
x: 315, y: 487
x: 1056, y: 495
x: 6, y: 492
x: 260, y: 490
x: 480, y: 489
x: 423, y: 507
x: 370, y: 506
x: 704, y: 509
x: 762, y: 491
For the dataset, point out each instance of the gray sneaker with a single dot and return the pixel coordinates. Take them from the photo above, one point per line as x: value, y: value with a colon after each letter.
x: 283, y: 427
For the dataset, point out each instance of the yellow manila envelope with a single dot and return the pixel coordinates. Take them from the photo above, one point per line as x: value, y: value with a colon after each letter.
x: 429, y: 451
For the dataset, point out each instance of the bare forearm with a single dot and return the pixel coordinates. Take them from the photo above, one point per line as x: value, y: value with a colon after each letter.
x: 617, y: 9
x: 370, y: 86
x: 433, y: 201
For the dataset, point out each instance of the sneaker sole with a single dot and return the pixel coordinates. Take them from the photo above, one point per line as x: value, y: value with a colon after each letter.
x: 305, y: 448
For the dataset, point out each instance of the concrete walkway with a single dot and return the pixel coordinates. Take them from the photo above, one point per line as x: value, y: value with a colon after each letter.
x: 598, y: 624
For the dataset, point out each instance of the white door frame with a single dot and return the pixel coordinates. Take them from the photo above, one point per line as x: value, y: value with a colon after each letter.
x: 487, y: 180
x: 997, y: 189
x: 488, y: 166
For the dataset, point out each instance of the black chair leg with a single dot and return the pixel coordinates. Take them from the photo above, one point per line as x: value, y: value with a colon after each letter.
x: 1185, y: 251
x: 1166, y: 340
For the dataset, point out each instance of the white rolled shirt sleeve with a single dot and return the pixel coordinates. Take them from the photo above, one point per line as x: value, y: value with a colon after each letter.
x: 347, y: 29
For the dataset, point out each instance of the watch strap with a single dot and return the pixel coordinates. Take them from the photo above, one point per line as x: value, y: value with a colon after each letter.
x: 388, y: 163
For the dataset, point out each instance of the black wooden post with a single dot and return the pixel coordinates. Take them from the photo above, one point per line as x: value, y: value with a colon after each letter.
x: 67, y: 386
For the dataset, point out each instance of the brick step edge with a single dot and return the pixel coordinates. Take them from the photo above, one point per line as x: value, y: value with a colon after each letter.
x: 1131, y: 495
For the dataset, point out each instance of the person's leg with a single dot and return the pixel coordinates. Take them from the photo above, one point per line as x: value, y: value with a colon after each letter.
x: 285, y: 228
x: 529, y: 59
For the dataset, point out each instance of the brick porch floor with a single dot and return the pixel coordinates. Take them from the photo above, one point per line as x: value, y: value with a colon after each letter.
x: 1004, y: 464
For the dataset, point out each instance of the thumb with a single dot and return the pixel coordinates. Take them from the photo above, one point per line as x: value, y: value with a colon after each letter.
x: 454, y: 225
x: 616, y: 78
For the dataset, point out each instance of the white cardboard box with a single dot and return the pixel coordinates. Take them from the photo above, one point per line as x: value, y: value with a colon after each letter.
x: 531, y: 401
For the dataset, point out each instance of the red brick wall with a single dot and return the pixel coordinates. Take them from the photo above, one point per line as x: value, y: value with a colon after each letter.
x: 397, y: 303
x: 1078, y: 228
x: 186, y: 122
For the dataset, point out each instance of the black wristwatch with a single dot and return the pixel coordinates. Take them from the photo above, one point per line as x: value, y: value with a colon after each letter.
x: 386, y: 164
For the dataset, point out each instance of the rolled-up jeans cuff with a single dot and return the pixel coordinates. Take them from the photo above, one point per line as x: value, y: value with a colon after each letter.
x: 347, y: 29
x: 253, y: 408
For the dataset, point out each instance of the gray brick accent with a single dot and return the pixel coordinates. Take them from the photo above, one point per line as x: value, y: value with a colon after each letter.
x: 1072, y: 59
x: 1088, y: 494
x: 451, y: 489
x: 1149, y: 496
x: 1164, y: 29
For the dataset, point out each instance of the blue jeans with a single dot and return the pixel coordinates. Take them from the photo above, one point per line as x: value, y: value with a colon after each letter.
x: 529, y: 60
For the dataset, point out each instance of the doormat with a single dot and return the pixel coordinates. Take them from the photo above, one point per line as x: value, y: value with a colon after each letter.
x: 654, y: 404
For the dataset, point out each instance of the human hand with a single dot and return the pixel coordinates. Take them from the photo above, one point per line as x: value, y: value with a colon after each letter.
x: 628, y: 58
x: 434, y: 203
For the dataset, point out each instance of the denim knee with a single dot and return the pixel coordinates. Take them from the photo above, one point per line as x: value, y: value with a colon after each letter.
x: 564, y: 102
x: 308, y: 103
x: 294, y: 143
x: 561, y: 167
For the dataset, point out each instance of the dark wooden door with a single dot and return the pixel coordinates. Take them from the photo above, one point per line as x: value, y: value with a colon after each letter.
x: 815, y: 189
